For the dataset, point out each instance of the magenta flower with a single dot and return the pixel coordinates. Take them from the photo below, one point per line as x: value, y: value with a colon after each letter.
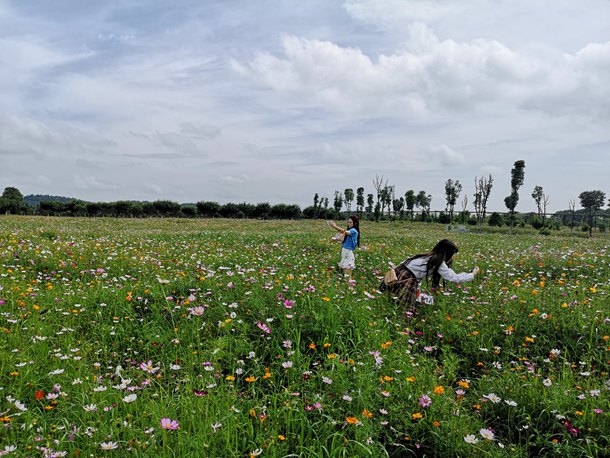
x: 168, y: 423
x: 425, y: 401
x: 288, y: 303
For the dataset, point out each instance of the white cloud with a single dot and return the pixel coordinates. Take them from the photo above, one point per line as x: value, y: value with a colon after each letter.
x: 440, y: 76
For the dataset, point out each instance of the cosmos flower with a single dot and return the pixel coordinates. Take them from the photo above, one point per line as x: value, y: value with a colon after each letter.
x: 487, y: 434
x: 148, y: 367
x: 471, y: 439
x: 168, y: 423
x: 108, y: 445
x: 425, y: 401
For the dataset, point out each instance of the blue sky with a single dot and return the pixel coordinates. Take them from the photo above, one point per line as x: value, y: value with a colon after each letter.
x: 274, y: 101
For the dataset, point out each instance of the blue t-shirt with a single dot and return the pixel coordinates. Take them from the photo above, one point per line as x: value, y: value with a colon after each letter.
x: 351, y: 241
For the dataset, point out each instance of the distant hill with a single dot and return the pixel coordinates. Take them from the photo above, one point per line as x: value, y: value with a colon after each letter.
x: 34, y: 199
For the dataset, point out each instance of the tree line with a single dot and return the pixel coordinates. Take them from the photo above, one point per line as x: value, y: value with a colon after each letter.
x: 382, y: 204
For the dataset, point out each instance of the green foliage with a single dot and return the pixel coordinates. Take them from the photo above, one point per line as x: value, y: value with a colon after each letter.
x: 496, y: 219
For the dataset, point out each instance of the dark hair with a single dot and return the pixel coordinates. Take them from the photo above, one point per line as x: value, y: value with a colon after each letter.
x: 356, y: 220
x: 443, y: 251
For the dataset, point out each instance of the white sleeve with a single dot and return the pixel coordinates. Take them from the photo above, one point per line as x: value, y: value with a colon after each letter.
x: 449, y: 275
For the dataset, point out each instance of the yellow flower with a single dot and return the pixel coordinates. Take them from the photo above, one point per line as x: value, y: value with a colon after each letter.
x: 326, y: 345
x: 325, y: 299
x: 251, y: 379
x: 464, y: 384
x: 529, y: 339
x: 411, y: 379
x: 282, y: 438
x: 416, y: 416
x: 230, y: 378
x: 516, y: 283
x: 578, y: 412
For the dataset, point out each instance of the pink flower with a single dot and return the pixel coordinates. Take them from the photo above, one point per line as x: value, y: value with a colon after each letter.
x: 148, y: 367
x: 425, y: 401
x: 264, y: 327
x: 288, y: 303
x: 197, y: 311
x: 168, y: 423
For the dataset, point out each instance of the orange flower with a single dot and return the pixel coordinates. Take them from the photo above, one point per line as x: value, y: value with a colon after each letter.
x: 251, y: 379
x: 326, y: 345
x: 436, y: 424
x: 312, y: 345
x: 439, y: 390
x: 464, y: 384
x: 416, y: 416
x: 386, y: 345
x: 352, y: 420
x: 367, y: 414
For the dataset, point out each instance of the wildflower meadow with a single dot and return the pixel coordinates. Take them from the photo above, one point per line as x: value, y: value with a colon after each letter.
x: 237, y: 338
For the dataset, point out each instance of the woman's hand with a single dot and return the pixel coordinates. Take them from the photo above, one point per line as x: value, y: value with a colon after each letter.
x: 475, y: 271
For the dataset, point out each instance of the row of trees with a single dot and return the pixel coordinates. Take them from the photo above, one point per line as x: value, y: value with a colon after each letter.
x: 384, y: 203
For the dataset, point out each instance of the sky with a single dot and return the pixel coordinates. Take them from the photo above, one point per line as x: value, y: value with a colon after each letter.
x: 275, y: 101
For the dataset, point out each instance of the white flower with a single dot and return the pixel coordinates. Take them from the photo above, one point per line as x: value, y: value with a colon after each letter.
x: 471, y: 439
x: 130, y: 398
x: 487, y: 434
x: 175, y: 367
x: 511, y: 403
x: 21, y: 406
x: 56, y: 372
x: 547, y: 382
x: 108, y: 445
x: 90, y: 408
x: 493, y: 397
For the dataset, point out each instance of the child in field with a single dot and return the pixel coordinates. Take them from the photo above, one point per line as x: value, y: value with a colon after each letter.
x: 436, y: 265
x: 351, y: 240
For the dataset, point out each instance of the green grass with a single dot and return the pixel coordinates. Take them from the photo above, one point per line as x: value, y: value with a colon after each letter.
x: 86, y: 305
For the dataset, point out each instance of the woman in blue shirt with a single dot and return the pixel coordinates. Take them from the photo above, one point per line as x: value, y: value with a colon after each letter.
x: 351, y: 240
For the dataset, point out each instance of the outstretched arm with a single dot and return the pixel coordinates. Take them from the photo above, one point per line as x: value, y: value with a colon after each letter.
x: 449, y: 274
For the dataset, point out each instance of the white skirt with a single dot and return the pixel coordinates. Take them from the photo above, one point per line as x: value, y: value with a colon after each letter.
x: 348, y: 260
